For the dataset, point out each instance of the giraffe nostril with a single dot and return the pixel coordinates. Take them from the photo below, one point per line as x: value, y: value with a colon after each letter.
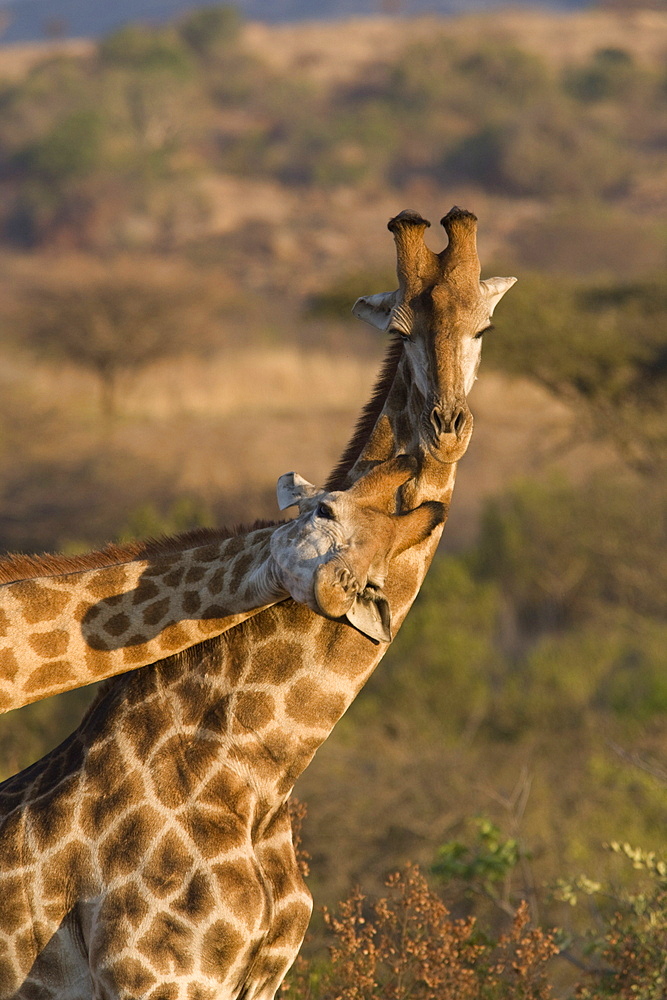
x: 459, y: 421
x: 437, y: 420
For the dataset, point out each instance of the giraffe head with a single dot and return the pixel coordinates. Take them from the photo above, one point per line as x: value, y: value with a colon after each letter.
x: 335, y: 555
x: 440, y: 311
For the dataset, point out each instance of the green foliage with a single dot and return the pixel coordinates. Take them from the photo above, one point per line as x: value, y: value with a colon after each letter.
x: 212, y: 29
x: 600, y: 347
x: 631, y: 946
x: 448, y: 675
x: 71, y: 149
x: 146, y: 50
x: 486, y: 866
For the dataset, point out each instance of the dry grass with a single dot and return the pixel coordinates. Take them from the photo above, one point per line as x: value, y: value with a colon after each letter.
x: 339, y: 51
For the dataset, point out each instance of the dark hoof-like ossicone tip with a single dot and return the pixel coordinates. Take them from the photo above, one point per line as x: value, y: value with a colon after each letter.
x: 456, y: 214
x: 407, y: 218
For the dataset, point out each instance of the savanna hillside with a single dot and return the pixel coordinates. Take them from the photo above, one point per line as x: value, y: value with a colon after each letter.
x: 187, y: 215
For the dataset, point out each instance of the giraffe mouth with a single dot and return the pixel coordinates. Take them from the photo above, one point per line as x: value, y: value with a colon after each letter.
x: 340, y: 596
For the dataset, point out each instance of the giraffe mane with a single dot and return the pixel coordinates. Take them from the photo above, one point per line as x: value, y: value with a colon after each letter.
x: 369, y: 415
x: 15, y: 567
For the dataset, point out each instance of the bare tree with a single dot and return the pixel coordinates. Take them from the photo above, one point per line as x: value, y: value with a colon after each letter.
x: 111, y: 327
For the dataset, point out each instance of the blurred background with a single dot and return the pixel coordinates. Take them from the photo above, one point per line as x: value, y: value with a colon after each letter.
x: 191, y: 200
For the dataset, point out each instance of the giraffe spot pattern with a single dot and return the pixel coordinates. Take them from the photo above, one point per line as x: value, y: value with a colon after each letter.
x: 54, y: 674
x: 8, y: 664
x: 212, y: 833
x: 279, y: 866
x: 214, y: 612
x: 168, y: 992
x: 197, y: 900
x: 117, y: 625
x: 105, y: 767
x: 98, y: 811
x: 131, y: 975
x: 40, y: 603
x: 49, y: 644
x: 179, y: 766
x: 290, y: 925
x: 24, y: 949
x: 220, y: 946
x: 197, y: 992
x: 146, y: 590
x: 122, y: 850
x: 174, y: 577
x: 111, y: 578
x: 253, y: 710
x: 71, y: 866
x: 8, y: 976
x: 309, y: 704
x: 174, y: 637
x: 5, y: 623
x: 191, y: 602
x: 13, y: 911
x: 241, y: 891
x: 217, y: 581
x: 134, y: 650
x: 195, y: 574
x: 226, y: 790
x: 207, y: 553
x: 155, y: 613
x: 126, y: 902
x: 239, y: 569
x: 97, y: 660
x: 167, y: 865
x: 13, y: 827
x: 48, y: 819
x: 168, y: 945
x: 145, y: 725
x: 275, y: 662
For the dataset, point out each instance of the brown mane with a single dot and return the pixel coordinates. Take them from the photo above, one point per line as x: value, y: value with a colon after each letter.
x: 17, y: 567
x: 369, y: 415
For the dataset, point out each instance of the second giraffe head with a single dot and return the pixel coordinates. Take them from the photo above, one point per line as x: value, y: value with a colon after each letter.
x: 358, y: 533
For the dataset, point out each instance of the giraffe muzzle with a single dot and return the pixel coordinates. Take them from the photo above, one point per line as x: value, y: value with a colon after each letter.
x: 449, y: 430
x: 338, y: 594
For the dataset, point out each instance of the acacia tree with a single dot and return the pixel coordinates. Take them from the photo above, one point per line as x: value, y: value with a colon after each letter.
x: 112, y: 327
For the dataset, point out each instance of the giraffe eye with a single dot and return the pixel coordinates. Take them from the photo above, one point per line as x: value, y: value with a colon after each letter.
x: 325, y: 511
x: 481, y: 333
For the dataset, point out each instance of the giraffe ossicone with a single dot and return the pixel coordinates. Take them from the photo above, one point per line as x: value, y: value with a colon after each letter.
x: 150, y: 856
x: 63, y: 630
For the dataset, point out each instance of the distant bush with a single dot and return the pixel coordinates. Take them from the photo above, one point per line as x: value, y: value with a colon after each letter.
x: 212, y: 29
x: 146, y: 50
x: 610, y: 75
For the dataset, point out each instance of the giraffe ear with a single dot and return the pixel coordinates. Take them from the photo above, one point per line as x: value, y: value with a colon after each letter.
x: 293, y: 488
x: 494, y: 289
x: 370, y: 614
x: 375, y: 309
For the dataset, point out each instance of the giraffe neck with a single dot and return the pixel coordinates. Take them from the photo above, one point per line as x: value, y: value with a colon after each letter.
x: 70, y: 629
x: 269, y: 692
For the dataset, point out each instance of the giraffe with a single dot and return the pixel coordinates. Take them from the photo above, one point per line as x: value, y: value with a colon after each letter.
x: 66, y: 622
x: 150, y: 856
